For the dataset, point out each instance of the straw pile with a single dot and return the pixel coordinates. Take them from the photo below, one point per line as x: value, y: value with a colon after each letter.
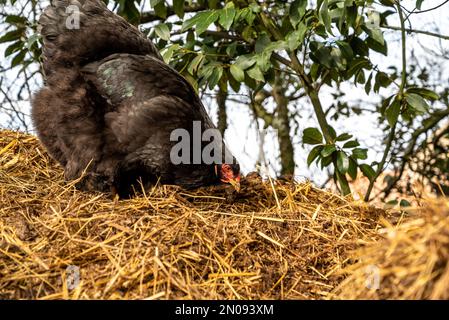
x: 410, y: 262
x: 274, y: 240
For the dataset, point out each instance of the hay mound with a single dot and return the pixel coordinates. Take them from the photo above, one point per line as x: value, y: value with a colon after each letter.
x: 410, y: 262
x: 274, y: 240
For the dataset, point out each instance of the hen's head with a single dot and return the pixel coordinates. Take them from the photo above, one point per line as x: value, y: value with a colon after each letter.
x: 229, y: 173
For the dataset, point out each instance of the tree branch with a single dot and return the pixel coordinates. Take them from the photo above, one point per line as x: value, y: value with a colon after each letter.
x: 258, y: 108
x: 151, y: 16
x: 221, y: 112
x: 392, y: 133
x: 430, y: 123
x: 427, y: 33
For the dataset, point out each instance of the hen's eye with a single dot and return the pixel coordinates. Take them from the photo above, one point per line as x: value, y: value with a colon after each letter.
x: 51, y: 37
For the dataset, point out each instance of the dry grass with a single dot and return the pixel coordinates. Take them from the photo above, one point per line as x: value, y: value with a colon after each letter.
x: 274, y: 240
x: 411, y: 260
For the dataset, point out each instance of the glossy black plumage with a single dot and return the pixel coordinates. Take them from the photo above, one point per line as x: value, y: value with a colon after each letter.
x: 110, y: 103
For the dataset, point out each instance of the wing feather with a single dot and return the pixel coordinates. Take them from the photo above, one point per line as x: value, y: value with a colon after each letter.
x: 99, y: 34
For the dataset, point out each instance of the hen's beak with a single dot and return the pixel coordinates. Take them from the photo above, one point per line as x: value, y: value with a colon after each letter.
x: 235, y: 184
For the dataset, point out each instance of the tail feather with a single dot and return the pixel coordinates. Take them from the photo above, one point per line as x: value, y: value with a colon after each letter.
x: 76, y: 32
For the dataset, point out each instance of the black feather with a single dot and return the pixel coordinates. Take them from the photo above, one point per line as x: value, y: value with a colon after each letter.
x: 110, y: 103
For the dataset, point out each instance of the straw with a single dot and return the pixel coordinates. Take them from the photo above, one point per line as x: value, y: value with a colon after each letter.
x: 274, y: 240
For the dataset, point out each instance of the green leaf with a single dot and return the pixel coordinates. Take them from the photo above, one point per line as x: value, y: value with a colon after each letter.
x: 337, y: 58
x: 392, y: 113
x: 189, y: 23
x: 215, y: 77
x: 314, y: 153
x: 342, y: 162
x: 31, y: 41
x: 346, y: 49
x: 328, y: 150
x: 248, y: 33
x: 167, y: 53
x: 344, y: 186
x: 191, y: 80
x: 385, y: 103
x: 276, y: 46
x: 162, y: 31
x: 296, y: 38
x: 344, y: 137
x: 18, y: 58
x: 391, y: 204
x: 325, y: 17
x: 351, y: 13
x: 254, y: 7
x: 154, y: 3
x: 227, y: 15
x: 178, y: 7
x: 312, y: 136
x: 360, y: 153
x: 237, y: 73
x: 325, y: 162
x: 367, y: 171
x: 374, y: 31
x: 246, y: 14
x: 404, y: 203
x: 368, y: 83
x: 332, y: 132
x: 129, y: 11
x: 351, y: 144
x: 16, y: 46
x: 359, y: 47
x: 297, y: 11
x: 193, y: 66
x: 315, y: 70
x: 360, y: 77
x: 352, y: 169
x: 417, y: 102
x: 322, y: 56
x: 244, y: 62
x: 263, y: 61
x: 418, y: 4
x: 255, y: 73
x: 206, y: 19
x: 376, y: 46
x: 388, y: 3
x: 160, y: 9
x: 261, y: 43
x: 382, y: 80
x: 207, y: 70
x: 231, y: 49
x: 190, y: 40
x: 14, y: 19
x: 11, y: 36
x: 235, y: 85
x: 425, y: 93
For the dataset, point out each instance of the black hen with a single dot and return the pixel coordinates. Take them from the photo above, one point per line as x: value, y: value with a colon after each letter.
x: 110, y: 104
